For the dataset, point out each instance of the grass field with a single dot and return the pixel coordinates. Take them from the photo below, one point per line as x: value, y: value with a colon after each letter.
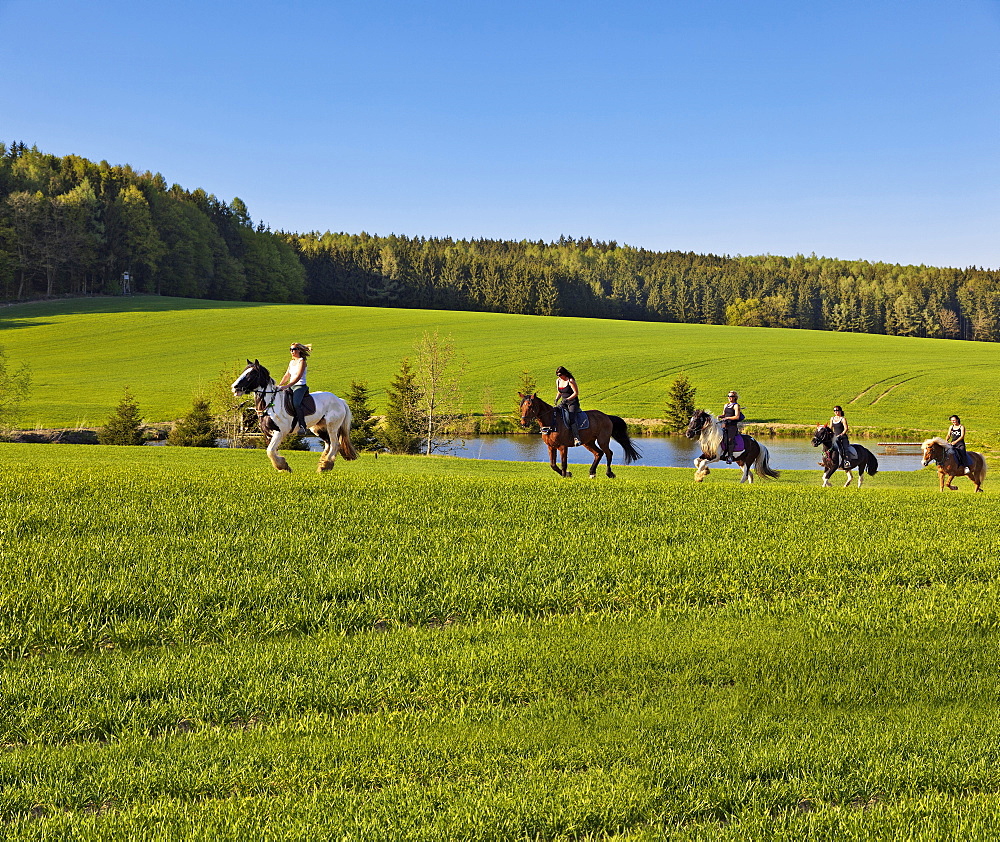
x: 83, y: 353
x: 410, y: 648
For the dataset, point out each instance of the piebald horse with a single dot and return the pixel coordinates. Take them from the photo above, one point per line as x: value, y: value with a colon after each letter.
x: 329, y: 418
x: 939, y: 451
x: 596, y: 438
x: 864, y: 460
x: 750, y: 455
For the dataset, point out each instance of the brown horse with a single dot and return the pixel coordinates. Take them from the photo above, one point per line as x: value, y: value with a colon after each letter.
x: 939, y: 451
x: 596, y: 438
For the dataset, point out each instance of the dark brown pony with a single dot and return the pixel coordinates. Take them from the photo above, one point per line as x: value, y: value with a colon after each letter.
x: 865, y: 461
x: 596, y: 438
x: 937, y: 450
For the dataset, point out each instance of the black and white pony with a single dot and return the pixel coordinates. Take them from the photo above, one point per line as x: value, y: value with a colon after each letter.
x: 861, y: 458
x: 748, y: 453
x: 327, y: 416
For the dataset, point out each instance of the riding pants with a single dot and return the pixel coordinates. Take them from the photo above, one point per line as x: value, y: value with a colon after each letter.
x: 298, y: 395
x: 572, y: 407
x: 729, y: 431
x: 841, y: 443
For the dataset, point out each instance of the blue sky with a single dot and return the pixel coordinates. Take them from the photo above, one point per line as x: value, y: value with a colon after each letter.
x: 859, y: 130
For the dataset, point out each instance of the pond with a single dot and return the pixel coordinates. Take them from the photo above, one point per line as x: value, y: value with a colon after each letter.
x: 664, y: 452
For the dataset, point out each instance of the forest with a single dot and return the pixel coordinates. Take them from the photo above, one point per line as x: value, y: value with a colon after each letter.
x: 69, y: 226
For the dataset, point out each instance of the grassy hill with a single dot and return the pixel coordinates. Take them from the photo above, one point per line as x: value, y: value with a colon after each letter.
x: 84, y: 352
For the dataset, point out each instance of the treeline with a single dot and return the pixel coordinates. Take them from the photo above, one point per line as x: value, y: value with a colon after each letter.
x: 70, y: 226
x: 581, y: 277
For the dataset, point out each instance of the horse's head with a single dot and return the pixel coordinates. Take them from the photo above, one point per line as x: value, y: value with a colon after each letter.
x: 823, y: 435
x: 529, y: 408
x: 932, y: 450
x: 254, y: 376
x: 699, y: 421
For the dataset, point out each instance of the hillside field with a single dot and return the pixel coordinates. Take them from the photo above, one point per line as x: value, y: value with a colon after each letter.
x: 408, y: 648
x: 84, y: 352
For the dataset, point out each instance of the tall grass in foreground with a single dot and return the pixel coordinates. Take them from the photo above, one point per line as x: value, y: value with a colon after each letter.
x: 424, y: 649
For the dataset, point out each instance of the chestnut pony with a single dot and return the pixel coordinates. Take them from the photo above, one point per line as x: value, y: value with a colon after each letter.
x: 938, y: 450
x: 596, y: 438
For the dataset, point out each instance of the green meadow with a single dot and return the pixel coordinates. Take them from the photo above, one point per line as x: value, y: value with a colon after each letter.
x: 197, y: 647
x: 84, y: 352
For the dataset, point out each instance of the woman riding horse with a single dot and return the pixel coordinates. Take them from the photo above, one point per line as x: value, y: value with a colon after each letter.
x: 750, y: 456
x: 939, y: 451
x: 865, y: 463
x: 596, y: 437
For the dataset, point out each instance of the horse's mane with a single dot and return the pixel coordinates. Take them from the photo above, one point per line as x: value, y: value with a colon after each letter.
x: 936, y: 440
x: 711, y: 433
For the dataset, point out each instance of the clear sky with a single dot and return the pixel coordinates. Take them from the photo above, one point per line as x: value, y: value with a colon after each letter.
x: 858, y: 129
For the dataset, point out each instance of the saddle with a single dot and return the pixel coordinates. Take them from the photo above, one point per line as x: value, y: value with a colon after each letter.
x: 308, y: 404
x: 851, y: 454
x: 582, y: 419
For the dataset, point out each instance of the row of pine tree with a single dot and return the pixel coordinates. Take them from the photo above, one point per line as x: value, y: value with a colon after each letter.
x: 69, y: 226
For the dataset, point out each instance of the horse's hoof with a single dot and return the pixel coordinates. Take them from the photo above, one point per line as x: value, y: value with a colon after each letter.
x: 592, y: 476
x: 568, y: 475
x: 610, y: 475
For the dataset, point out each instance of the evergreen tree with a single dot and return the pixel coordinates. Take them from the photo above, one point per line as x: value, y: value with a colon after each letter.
x: 680, y: 404
x: 363, y: 423
x: 527, y: 386
x: 125, y: 424
x: 196, y: 429
x: 401, y: 429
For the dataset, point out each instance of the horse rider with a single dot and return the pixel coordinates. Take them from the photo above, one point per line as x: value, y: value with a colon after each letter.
x: 956, y: 438
x: 568, y: 396
x: 732, y: 414
x: 840, y: 430
x: 294, y: 379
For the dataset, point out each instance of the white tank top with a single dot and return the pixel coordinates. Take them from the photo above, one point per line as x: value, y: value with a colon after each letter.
x: 302, y: 380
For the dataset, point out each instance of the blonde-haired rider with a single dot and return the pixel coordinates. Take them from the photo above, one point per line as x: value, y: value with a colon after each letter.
x: 295, y: 379
x: 732, y: 414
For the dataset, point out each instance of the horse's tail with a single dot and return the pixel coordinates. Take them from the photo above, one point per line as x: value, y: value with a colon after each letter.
x: 344, y: 433
x: 872, y: 464
x: 619, y: 432
x: 762, y: 467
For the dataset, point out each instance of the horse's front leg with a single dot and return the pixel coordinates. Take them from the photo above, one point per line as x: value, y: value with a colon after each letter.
x: 701, y: 468
x: 552, y: 460
x: 826, y: 478
x: 279, y: 461
x: 564, y: 452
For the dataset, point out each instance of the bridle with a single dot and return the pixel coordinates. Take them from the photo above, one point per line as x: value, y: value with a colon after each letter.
x: 260, y: 400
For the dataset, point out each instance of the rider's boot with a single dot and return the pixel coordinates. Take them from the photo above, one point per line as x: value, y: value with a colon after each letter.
x: 576, y: 435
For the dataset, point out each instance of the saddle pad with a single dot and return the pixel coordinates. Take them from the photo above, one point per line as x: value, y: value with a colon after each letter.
x: 852, y: 454
x: 738, y: 445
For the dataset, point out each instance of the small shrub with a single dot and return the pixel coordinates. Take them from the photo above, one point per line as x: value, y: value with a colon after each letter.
x: 196, y: 429
x: 124, y: 427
